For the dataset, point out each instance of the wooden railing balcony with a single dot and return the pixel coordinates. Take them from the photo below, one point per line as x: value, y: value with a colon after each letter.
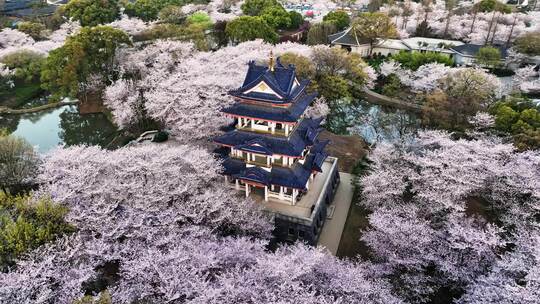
x: 260, y: 163
x: 280, y: 132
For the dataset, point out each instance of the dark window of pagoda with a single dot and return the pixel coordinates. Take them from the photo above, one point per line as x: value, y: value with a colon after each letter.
x: 292, y: 232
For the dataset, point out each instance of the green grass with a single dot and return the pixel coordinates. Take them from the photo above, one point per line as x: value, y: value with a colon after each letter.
x: 20, y: 94
x: 350, y: 245
x: 357, y: 221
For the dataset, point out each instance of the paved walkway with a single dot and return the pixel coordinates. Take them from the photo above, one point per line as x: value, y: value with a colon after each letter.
x: 377, y: 98
x: 5, y: 110
x: 333, y: 228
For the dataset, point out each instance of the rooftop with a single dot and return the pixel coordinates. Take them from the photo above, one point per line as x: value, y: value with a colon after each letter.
x: 416, y: 43
x: 302, y: 209
x: 472, y: 49
x: 304, y: 135
x: 273, y: 83
x: 346, y: 38
x: 280, y: 114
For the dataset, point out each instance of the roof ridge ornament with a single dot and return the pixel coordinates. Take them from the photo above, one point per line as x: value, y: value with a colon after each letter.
x: 271, y: 61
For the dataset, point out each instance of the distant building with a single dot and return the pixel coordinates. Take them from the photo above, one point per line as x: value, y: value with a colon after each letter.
x: 423, y: 44
x: 273, y: 153
x: 11, y: 5
x: 385, y: 47
x: 466, y: 54
x: 346, y: 39
x: 28, y: 8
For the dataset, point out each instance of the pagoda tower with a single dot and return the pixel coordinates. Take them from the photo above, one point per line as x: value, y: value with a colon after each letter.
x: 274, y: 148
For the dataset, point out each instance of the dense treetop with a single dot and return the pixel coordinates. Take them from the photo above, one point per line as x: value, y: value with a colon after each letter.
x: 92, y: 12
x: 159, y: 213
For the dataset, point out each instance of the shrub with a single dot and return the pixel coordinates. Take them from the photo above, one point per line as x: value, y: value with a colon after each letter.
x: 296, y: 20
x: 392, y: 87
x: 26, y: 64
x: 27, y: 223
x: 246, y: 28
x: 33, y: 29
x: 318, y: 33
x: 255, y: 7
x: 528, y: 43
x: 18, y: 162
x: 340, y: 18
x: 277, y: 17
x: 200, y: 18
x: 172, y: 14
x: 149, y: 10
x: 413, y: 60
x: 91, y: 12
x: 519, y: 117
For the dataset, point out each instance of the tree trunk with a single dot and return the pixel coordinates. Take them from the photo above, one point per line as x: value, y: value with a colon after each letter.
x: 495, y: 29
x: 511, y: 31
x: 473, y: 21
x: 490, y: 26
x: 447, y: 24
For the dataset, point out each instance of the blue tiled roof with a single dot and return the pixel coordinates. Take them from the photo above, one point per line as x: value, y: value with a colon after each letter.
x: 294, y: 177
x: 290, y: 114
x: 233, y: 166
x: 255, y: 174
x: 291, y: 146
x: 256, y: 145
x: 280, y: 80
x: 317, y: 156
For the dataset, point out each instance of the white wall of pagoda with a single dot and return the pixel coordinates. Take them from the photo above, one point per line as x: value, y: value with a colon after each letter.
x: 282, y: 194
x: 267, y: 160
x: 265, y: 126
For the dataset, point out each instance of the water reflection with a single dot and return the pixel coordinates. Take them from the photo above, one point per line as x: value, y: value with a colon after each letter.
x: 373, y: 123
x: 87, y: 129
x: 47, y: 129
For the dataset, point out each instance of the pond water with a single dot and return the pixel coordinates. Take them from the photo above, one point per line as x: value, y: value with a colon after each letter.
x: 372, y: 122
x: 48, y: 129
x: 66, y: 125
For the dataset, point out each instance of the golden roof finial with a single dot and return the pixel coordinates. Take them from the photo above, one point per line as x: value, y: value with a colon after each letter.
x: 271, y: 62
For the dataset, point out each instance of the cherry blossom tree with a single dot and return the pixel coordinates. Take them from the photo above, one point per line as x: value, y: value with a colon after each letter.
x: 176, y: 79
x: 434, y: 75
x: 426, y: 78
x: 131, y: 26
x: 465, y: 21
x: 319, y: 108
x: 155, y: 224
x: 192, y: 265
x: 515, y: 278
x: 527, y: 80
x: 442, y: 209
x: 14, y: 40
x: 179, y: 184
x: 10, y: 37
